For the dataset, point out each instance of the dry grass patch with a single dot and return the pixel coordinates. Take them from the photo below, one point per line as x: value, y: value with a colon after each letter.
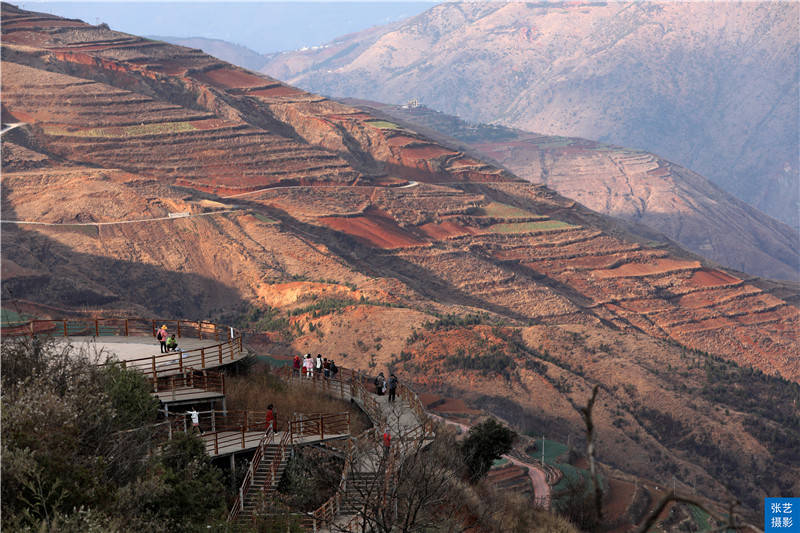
x: 259, y: 388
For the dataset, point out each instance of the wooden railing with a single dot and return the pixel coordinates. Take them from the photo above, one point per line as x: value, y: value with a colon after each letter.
x: 319, y: 425
x: 181, y: 386
x: 326, y: 513
x: 247, y: 482
x: 228, y: 347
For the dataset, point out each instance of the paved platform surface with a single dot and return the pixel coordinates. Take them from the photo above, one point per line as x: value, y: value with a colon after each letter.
x: 133, y: 347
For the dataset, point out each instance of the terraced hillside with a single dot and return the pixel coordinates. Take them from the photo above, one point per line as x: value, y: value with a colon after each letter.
x: 713, y: 87
x: 153, y: 178
x: 630, y: 184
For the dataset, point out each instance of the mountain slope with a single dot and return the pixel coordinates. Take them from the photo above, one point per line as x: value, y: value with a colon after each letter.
x: 712, y: 87
x: 631, y: 184
x: 345, y: 233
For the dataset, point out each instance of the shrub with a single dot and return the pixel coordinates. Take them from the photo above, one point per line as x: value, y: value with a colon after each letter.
x: 485, y: 443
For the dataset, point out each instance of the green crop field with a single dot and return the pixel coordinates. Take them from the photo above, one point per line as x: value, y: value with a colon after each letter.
x: 383, y: 124
x: 10, y: 318
x: 499, y: 210
x: 139, y: 130
x: 263, y: 218
x: 552, y: 452
x: 525, y: 227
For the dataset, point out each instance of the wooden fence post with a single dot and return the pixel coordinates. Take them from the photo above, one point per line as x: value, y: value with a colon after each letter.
x: 32, y: 329
x: 172, y: 384
x: 200, y: 330
x: 202, y: 358
x: 222, y: 376
x: 155, y: 375
x: 126, y: 327
x: 179, y: 329
x: 65, y: 328
x: 216, y: 443
x: 220, y: 354
x: 180, y: 362
x: 154, y: 328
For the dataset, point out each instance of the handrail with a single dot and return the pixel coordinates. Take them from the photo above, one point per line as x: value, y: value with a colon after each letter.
x: 189, y: 383
x: 238, y: 504
x: 229, y: 340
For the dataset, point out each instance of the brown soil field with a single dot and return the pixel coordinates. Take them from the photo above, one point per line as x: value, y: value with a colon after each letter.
x: 230, y: 78
x: 659, y: 266
x: 373, y: 229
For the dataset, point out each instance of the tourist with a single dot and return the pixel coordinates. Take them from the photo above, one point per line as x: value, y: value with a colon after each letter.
x: 296, y: 365
x: 172, y: 344
x: 270, y: 424
x: 392, y: 387
x: 326, y: 368
x: 380, y: 384
x: 334, y: 369
x: 195, y: 419
x: 162, y: 338
x: 318, y: 365
x: 387, y: 441
x: 308, y: 364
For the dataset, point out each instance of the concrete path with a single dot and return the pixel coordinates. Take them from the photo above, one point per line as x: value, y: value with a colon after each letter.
x: 132, y: 347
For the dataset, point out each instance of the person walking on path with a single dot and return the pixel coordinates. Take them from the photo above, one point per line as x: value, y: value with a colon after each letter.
x: 387, y: 441
x: 270, y: 420
x: 296, y: 365
x: 162, y: 338
x: 326, y: 368
x: 392, y: 387
x: 380, y: 384
x: 308, y: 364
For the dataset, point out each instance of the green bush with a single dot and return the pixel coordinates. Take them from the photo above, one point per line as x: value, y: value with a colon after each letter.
x: 485, y: 443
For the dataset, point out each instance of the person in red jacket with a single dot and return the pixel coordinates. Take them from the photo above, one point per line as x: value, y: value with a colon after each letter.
x: 270, y: 419
x: 387, y: 441
x: 296, y: 365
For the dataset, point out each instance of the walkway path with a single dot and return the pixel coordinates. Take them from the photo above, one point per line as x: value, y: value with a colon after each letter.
x: 541, y: 489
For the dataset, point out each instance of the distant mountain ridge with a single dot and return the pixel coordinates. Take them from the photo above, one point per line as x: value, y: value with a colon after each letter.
x: 230, y: 52
x: 630, y: 184
x: 712, y: 86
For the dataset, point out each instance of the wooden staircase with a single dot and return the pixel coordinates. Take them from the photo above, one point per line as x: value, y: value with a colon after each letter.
x: 263, y: 483
x: 360, y: 488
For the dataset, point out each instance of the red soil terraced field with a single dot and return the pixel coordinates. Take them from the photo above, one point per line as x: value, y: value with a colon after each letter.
x: 168, y: 141
x: 374, y: 229
x: 446, y: 230
x: 230, y: 78
x: 131, y: 61
x: 658, y: 266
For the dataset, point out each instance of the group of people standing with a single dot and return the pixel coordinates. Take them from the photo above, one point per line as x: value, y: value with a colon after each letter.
x: 382, y: 385
x: 321, y: 366
x: 168, y: 342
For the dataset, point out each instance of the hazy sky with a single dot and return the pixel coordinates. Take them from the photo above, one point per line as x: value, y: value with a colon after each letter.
x: 261, y: 26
